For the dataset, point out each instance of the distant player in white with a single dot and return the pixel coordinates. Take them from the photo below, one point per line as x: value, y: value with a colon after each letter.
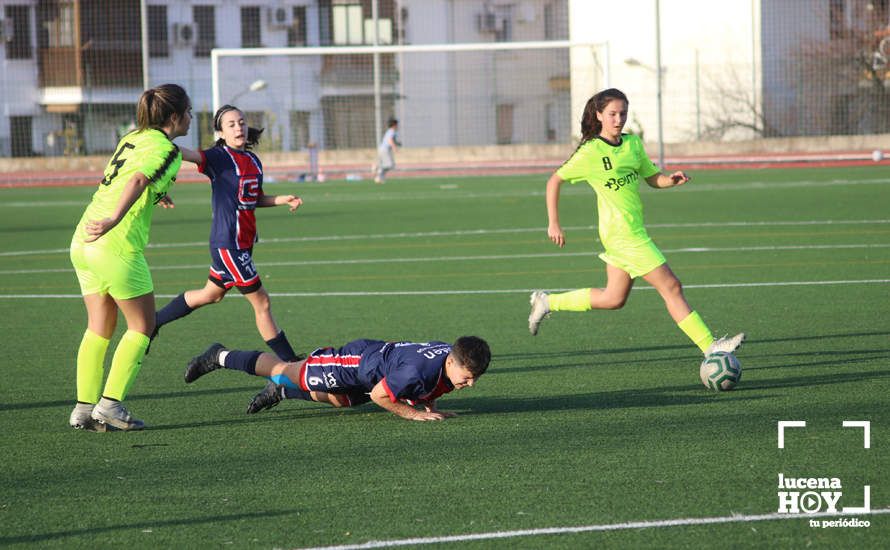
x: 386, y: 151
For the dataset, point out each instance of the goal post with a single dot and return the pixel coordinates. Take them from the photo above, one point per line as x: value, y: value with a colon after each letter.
x: 451, y: 95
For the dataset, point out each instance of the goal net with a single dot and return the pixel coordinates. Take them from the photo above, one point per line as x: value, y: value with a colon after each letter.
x: 448, y: 95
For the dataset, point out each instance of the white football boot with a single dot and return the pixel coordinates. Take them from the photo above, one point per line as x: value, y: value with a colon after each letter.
x: 81, y: 419
x: 540, y: 310
x: 114, y: 414
x: 726, y: 344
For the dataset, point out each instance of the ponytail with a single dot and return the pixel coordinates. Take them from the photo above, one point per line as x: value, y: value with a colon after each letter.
x: 158, y: 104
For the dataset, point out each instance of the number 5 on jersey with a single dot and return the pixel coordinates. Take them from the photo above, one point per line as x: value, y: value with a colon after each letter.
x: 117, y: 162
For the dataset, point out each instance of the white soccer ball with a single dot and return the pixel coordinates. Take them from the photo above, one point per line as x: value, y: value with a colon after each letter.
x: 877, y: 155
x: 720, y: 371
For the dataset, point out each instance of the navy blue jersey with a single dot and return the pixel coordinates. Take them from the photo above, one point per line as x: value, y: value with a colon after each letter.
x: 413, y: 372
x: 236, y: 178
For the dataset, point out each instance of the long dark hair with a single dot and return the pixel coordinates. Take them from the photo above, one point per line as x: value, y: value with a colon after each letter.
x: 158, y: 104
x: 253, y: 134
x: 590, y: 125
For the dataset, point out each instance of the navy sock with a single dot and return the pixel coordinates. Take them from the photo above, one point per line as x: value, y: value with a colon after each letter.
x: 296, y: 393
x: 174, y: 310
x: 282, y: 348
x: 242, y: 360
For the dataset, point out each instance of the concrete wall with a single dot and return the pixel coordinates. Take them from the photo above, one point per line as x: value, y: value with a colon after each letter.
x: 501, y: 153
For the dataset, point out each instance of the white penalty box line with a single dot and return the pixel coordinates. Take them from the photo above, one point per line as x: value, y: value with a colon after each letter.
x: 681, y: 522
x: 372, y: 293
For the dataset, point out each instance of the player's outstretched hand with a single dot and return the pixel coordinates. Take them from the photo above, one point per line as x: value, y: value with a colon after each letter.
x: 433, y: 409
x: 423, y: 416
x: 679, y: 178
x: 293, y: 202
x: 554, y: 231
x: 97, y: 228
x: 166, y: 202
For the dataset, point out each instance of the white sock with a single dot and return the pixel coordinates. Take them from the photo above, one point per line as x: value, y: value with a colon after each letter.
x: 222, y: 357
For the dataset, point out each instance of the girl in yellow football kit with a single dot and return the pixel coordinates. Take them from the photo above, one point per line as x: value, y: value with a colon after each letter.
x: 107, y: 254
x: 613, y: 164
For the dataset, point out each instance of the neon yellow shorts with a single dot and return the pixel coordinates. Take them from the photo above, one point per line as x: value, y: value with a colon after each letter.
x: 637, y: 260
x: 101, y: 271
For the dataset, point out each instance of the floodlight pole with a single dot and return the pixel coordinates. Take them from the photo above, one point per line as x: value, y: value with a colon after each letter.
x: 255, y: 86
x: 658, y: 71
x: 143, y: 29
x: 378, y: 103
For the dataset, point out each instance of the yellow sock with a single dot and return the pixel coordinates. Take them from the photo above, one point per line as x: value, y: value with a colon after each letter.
x: 125, y: 364
x: 90, y: 366
x: 696, y: 330
x: 575, y: 300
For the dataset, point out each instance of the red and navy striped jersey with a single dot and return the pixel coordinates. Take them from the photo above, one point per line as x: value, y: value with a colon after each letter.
x: 236, y: 178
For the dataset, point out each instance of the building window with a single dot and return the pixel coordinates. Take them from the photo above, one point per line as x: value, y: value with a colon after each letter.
x: 19, y: 45
x: 324, y: 22
x: 384, y: 29
x: 504, y: 123
x: 549, y: 22
x: 837, y: 19
x: 205, y: 19
x: 59, y: 25
x: 251, y: 36
x: 158, y: 39
x: 296, y: 33
x: 299, y: 130
x: 504, y: 30
x: 550, y: 122
x: 20, y: 136
x: 348, y: 22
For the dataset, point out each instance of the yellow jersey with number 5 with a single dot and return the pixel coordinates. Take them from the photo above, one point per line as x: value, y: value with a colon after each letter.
x: 151, y: 153
x: 614, y: 171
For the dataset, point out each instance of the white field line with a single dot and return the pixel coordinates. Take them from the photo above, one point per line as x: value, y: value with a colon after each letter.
x: 680, y: 522
x: 489, y: 257
x: 466, y: 232
x: 465, y: 192
x: 360, y: 294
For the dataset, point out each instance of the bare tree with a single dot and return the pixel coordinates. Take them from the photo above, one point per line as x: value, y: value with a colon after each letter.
x: 833, y: 85
x: 733, y: 108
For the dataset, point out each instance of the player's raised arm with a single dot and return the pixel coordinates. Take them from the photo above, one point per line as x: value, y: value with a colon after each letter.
x: 190, y: 155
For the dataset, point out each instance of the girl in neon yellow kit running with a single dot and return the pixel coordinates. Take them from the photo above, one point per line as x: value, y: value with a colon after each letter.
x: 613, y: 164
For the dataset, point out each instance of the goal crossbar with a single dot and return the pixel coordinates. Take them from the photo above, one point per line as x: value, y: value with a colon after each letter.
x: 218, y: 53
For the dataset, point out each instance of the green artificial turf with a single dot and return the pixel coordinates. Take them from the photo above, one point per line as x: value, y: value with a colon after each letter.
x: 600, y: 421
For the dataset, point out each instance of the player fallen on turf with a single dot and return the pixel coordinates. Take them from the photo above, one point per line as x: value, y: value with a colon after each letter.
x: 236, y: 180
x: 405, y: 378
x: 613, y: 164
